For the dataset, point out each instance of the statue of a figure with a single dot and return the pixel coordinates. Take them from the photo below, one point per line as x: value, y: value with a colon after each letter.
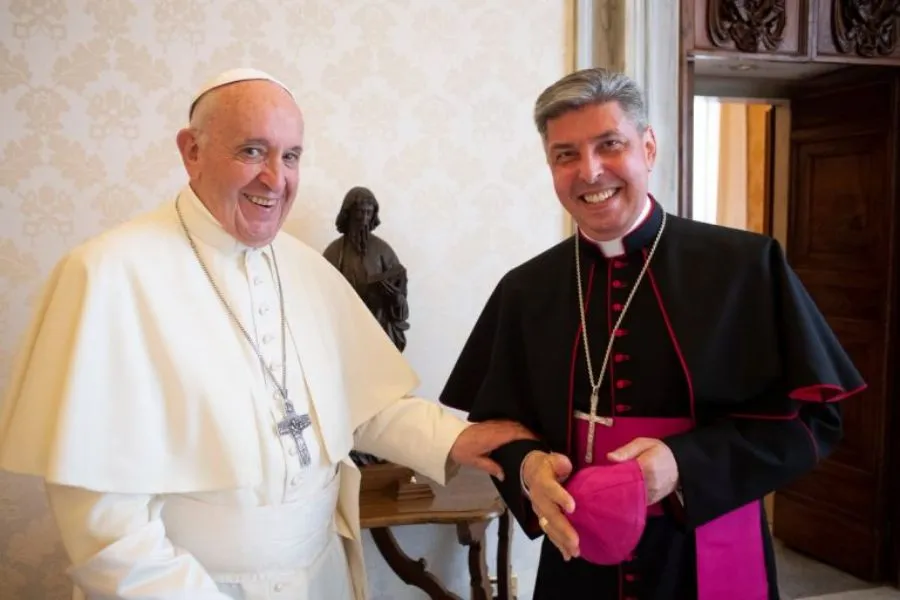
x: 372, y: 268
x: 370, y: 264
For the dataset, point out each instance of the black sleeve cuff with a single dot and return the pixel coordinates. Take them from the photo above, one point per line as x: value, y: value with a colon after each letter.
x: 510, y: 457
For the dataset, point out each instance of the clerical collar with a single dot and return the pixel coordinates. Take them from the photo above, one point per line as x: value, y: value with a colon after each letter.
x: 641, y: 234
x: 205, y: 227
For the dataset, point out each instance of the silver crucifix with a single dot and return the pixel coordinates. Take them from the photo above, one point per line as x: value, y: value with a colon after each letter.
x: 293, y: 425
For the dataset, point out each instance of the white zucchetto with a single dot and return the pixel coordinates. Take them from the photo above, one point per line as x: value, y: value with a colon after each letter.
x: 233, y: 76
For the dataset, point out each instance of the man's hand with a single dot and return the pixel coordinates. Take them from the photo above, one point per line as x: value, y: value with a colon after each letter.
x: 542, y: 474
x: 657, y: 464
x: 480, y: 439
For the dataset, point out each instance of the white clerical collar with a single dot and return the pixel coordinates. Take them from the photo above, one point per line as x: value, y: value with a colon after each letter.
x: 616, y: 247
x: 203, y: 226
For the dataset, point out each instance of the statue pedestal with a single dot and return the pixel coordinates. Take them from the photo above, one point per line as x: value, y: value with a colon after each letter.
x: 398, y: 482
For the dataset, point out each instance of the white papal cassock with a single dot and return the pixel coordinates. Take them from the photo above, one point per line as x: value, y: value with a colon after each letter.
x: 151, y: 419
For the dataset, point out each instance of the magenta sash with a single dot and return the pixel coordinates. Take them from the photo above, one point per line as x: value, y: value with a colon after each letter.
x: 730, y: 556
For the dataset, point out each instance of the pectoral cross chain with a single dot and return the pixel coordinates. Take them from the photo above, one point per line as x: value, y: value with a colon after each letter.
x: 592, y: 418
x: 294, y: 425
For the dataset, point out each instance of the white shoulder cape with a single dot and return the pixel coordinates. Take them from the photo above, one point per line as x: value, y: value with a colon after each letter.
x: 130, y: 374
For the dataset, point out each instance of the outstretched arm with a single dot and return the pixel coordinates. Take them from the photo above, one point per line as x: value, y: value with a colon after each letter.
x: 427, y: 438
x: 415, y: 433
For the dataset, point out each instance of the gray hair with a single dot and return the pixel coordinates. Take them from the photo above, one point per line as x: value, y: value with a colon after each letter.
x: 590, y: 86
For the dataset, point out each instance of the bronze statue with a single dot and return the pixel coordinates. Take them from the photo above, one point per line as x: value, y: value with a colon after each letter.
x: 370, y: 264
x: 372, y: 268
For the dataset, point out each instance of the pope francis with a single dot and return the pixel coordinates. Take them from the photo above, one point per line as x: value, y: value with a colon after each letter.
x: 194, y: 380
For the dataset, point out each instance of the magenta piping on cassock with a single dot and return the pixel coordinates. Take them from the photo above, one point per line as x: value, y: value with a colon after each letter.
x: 823, y: 393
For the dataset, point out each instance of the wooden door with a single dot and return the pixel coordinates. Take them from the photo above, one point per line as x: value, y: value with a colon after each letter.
x: 760, y: 158
x: 841, y: 227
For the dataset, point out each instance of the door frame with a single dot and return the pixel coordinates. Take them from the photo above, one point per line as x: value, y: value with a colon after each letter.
x: 686, y: 114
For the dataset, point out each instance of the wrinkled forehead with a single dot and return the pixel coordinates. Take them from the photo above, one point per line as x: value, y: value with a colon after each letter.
x: 243, y: 100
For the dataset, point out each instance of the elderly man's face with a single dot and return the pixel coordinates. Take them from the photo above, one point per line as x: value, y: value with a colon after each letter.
x: 601, y: 165
x: 245, y: 165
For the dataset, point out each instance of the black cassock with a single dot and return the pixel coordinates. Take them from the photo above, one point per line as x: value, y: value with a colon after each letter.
x: 720, y: 331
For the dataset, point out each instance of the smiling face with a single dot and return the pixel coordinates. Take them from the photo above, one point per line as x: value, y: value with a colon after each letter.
x: 600, y: 162
x: 242, y: 154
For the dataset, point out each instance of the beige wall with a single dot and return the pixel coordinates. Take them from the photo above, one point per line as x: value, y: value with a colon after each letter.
x: 425, y: 101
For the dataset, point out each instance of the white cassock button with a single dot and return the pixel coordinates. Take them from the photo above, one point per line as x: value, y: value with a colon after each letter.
x: 294, y: 481
x: 277, y: 587
x: 267, y: 338
x: 292, y: 450
x: 257, y: 280
x: 263, y: 309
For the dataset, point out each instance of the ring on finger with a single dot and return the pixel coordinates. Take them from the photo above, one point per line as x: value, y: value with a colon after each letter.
x: 542, y: 522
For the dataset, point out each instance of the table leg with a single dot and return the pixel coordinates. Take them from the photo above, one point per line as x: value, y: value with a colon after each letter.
x: 472, y: 535
x: 411, y: 572
x: 504, y: 564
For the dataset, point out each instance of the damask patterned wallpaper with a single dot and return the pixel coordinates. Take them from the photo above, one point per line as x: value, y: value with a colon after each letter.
x: 427, y: 102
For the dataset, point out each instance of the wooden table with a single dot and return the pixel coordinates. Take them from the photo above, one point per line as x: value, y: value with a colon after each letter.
x: 469, y: 502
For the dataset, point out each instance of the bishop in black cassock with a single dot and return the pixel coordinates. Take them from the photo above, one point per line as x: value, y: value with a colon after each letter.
x: 719, y: 336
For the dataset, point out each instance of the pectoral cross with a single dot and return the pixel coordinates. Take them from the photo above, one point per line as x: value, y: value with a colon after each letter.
x: 293, y: 425
x: 593, y: 421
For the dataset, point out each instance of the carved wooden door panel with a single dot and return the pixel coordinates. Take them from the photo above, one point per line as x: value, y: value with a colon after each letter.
x: 765, y: 28
x: 858, y: 31
x: 843, y: 203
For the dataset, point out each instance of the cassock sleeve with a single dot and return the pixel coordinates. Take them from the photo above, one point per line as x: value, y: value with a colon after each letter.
x: 739, y: 454
x: 415, y: 433
x: 119, y: 550
x: 740, y: 459
x: 487, y: 382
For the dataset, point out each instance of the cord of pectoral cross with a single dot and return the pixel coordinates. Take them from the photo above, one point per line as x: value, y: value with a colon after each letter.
x: 292, y: 424
x: 595, y: 387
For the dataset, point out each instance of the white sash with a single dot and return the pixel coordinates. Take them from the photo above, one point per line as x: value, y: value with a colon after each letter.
x: 238, y: 543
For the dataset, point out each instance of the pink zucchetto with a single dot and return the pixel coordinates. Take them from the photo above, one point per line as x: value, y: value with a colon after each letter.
x: 610, y: 511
